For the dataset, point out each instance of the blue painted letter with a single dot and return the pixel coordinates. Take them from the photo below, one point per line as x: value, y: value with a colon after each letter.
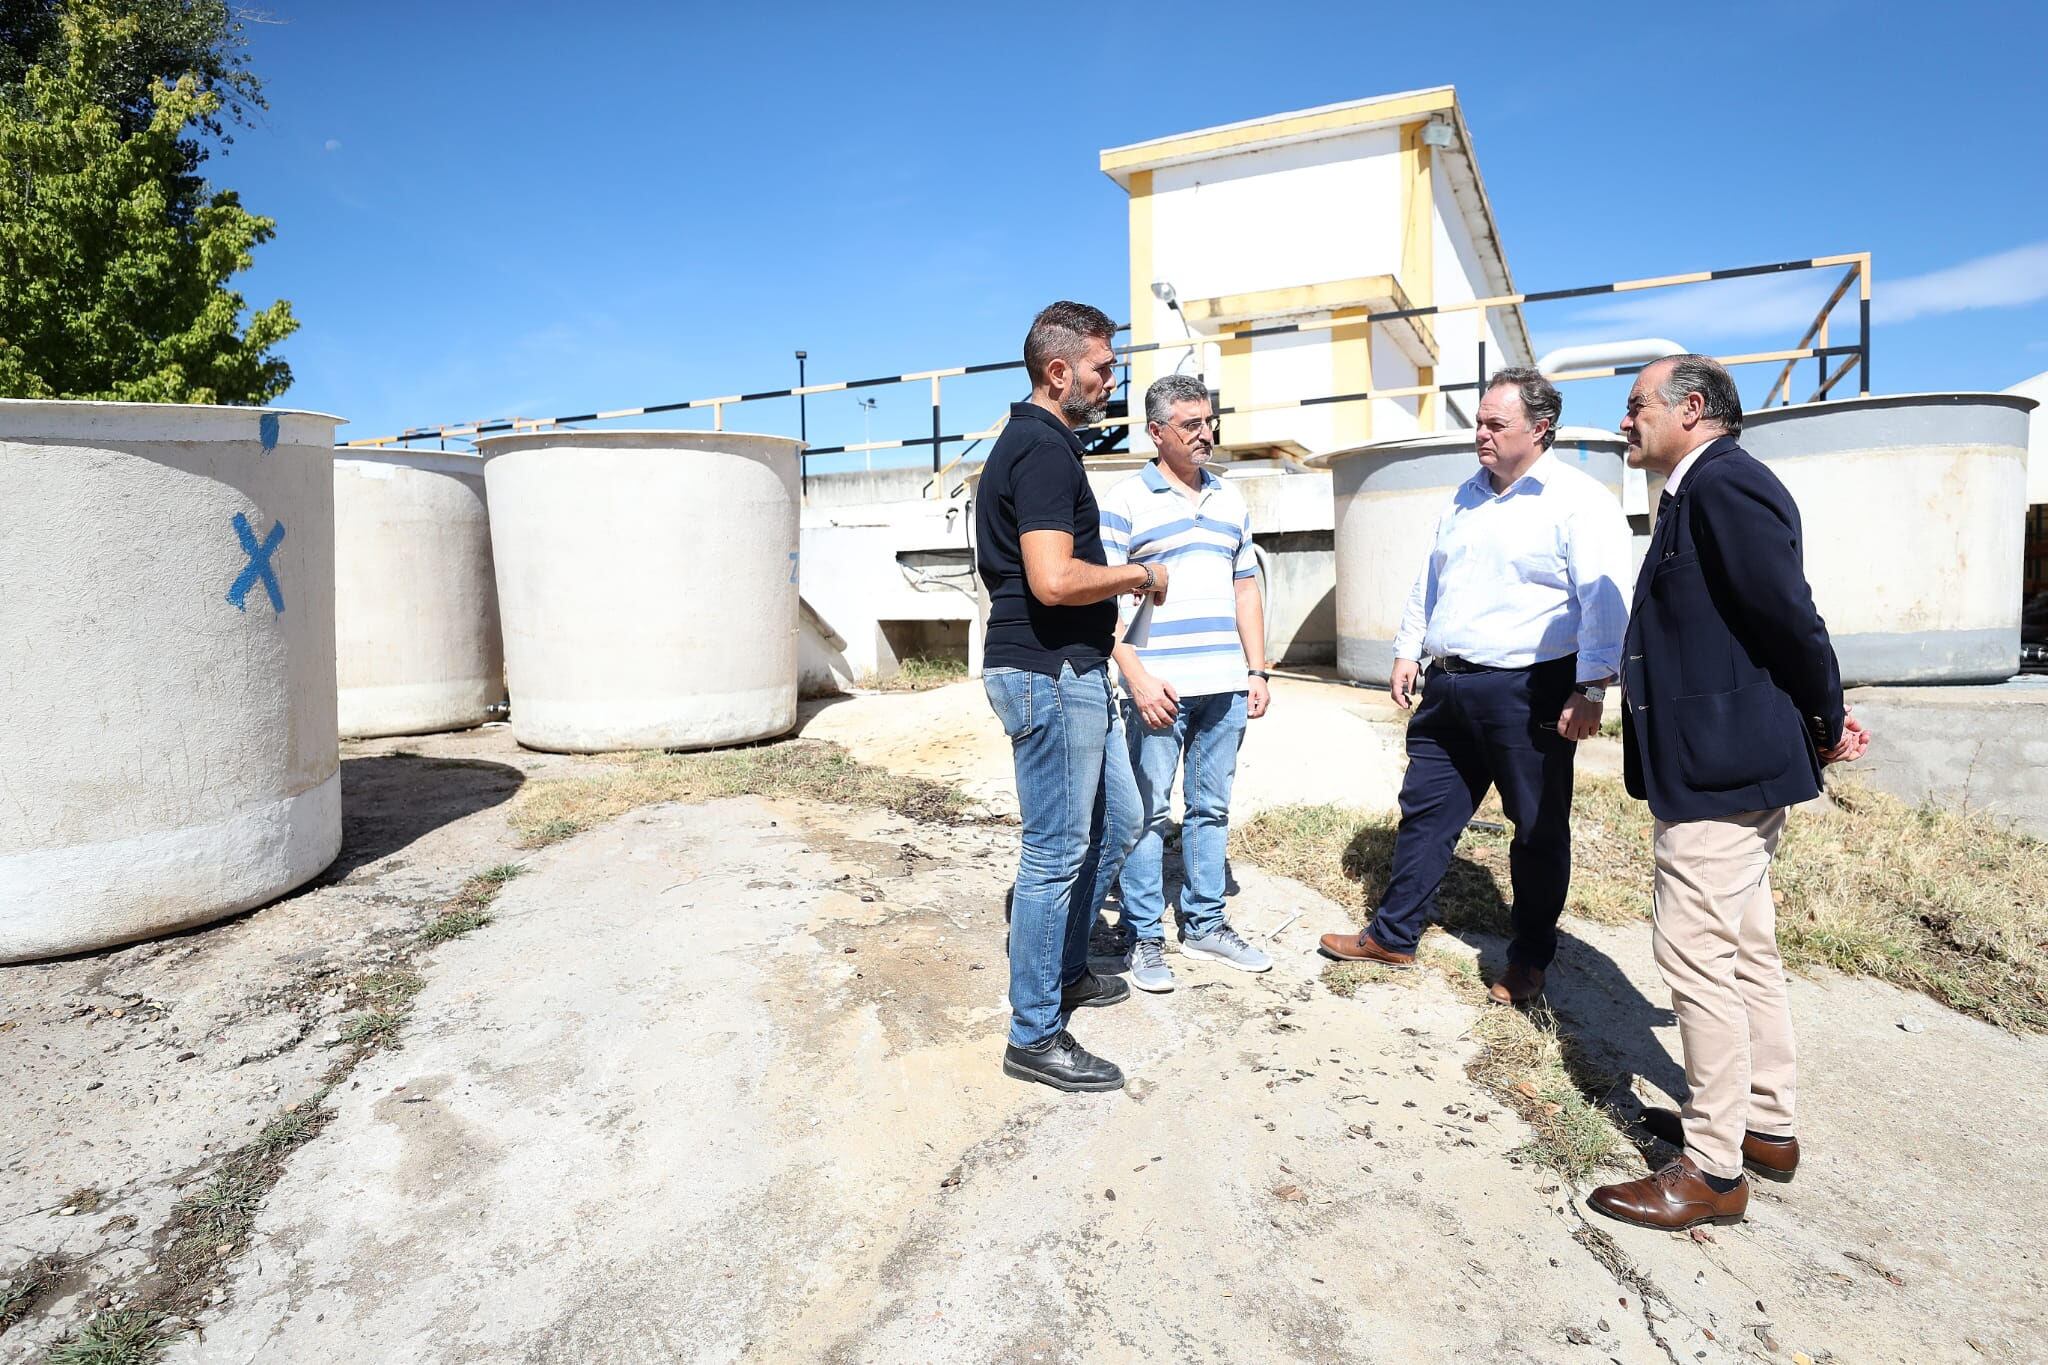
x: 258, y: 567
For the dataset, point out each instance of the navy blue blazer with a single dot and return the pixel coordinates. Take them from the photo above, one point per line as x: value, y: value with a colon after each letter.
x: 1731, y: 684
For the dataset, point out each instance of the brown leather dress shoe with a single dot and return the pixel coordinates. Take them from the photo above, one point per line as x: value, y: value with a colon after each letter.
x: 1774, y: 1161
x: 1674, y: 1199
x: 1363, y: 948
x: 1518, y: 985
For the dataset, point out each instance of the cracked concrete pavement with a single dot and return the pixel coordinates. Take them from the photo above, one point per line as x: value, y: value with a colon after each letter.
x: 720, y: 1082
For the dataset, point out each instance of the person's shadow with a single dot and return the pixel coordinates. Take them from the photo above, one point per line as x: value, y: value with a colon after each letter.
x: 1606, y: 1027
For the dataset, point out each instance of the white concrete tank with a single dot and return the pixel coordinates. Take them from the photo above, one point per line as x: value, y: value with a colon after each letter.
x: 417, y: 647
x: 647, y: 585
x: 168, y: 751
x: 1914, y: 512
x: 1387, y: 496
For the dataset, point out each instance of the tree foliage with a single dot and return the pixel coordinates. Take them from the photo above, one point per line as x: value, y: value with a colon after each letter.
x: 114, y: 256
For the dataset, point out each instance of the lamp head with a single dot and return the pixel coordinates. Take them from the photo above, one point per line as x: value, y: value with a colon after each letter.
x: 1164, y: 292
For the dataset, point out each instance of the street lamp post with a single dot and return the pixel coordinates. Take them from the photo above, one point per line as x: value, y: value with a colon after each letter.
x: 803, y: 425
x: 867, y: 409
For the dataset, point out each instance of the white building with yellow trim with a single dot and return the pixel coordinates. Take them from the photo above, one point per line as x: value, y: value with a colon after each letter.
x: 1312, y: 218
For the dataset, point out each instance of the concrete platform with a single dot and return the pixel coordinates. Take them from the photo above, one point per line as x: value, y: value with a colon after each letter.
x: 1982, y: 748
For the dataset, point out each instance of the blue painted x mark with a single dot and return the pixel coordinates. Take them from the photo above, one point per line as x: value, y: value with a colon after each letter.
x: 258, y: 566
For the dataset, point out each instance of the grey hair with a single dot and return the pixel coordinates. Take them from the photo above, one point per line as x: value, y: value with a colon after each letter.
x: 1541, y: 402
x: 1707, y: 377
x: 1170, y: 389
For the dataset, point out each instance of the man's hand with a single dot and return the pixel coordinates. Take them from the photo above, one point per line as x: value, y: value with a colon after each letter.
x: 1855, y: 739
x: 1158, y: 590
x: 1580, y: 718
x: 1155, y: 699
x: 1257, y: 698
x: 1402, y: 687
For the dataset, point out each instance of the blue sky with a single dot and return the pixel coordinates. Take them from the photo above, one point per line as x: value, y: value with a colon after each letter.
x: 487, y: 209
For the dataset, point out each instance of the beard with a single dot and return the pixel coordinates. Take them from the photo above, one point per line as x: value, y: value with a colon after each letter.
x: 1081, y: 412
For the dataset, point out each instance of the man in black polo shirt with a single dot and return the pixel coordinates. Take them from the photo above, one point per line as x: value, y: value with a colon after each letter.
x: 1051, y: 622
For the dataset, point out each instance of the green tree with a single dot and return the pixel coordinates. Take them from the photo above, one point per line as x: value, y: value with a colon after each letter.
x: 114, y: 256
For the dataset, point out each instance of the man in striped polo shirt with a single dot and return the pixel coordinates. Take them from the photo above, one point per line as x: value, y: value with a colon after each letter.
x: 1193, y: 671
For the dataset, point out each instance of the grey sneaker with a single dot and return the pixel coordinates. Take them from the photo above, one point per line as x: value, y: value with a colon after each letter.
x: 1227, y: 946
x: 1146, y: 962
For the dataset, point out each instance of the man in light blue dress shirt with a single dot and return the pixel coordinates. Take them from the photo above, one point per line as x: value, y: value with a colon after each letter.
x: 1520, y: 610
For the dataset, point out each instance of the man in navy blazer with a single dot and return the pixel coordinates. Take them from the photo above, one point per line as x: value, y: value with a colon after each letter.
x: 1732, y: 703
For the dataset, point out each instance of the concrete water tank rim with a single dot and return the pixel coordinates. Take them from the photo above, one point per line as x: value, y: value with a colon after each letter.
x: 1437, y: 442
x: 679, y: 442
x: 11, y: 405
x: 1958, y: 398
x: 426, y: 461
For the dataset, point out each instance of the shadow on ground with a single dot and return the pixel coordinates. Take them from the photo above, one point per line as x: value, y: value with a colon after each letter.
x: 1606, y: 1026
x: 390, y: 800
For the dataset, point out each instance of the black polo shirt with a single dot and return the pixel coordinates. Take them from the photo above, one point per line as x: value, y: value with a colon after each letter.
x: 1033, y: 481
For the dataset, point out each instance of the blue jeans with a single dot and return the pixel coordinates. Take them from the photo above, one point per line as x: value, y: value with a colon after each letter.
x: 1079, y: 808
x: 1209, y: 731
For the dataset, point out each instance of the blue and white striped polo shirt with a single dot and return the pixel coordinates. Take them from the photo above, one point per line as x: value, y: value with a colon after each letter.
x: 1206, y: 544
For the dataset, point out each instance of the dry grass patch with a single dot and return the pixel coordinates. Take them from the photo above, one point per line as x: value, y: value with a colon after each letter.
x: 549, y: 811
x: 24, y: 1286
x: 919, y: 673
x: 1951, y: 904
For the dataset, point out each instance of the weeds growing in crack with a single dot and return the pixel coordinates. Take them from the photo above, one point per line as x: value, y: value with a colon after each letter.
x: 124, y: 1336
x: 24, y: 1286
x: 469, y: 910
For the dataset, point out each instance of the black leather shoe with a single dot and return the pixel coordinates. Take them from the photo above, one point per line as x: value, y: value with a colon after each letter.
x: 1094, y: 990
x: 1063, y: 1064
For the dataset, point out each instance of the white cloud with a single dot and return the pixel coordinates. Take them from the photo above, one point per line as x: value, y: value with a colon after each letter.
x: 1777, y: 308
x: 2006, y: 279
x: 332, y: 144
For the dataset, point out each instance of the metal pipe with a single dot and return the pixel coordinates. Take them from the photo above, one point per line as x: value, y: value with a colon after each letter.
x: 1608, y: 355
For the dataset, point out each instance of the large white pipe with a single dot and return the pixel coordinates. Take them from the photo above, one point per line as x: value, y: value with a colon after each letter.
x: 167, y: 697
x: 1608, y: 355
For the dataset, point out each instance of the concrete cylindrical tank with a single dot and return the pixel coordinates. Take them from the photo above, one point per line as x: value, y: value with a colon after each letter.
x: 1387, y: 497
x: 647, y: 586
x: 168, y: 751
x: 1914, y: 513
x: 416, y: 604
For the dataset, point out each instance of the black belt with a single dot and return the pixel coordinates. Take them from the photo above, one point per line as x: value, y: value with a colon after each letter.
x: 1451, y: 663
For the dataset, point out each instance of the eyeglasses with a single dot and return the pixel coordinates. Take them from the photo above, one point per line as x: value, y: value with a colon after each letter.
x: 1195, y: 426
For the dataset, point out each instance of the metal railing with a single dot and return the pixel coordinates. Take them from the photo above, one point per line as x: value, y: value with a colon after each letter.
x: 1813, y: 345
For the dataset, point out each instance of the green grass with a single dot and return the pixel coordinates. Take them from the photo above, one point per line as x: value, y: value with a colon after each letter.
x: 469, y: 910
x: 546, y: 812
x: 372, y: 1028
x: 121, y: 1337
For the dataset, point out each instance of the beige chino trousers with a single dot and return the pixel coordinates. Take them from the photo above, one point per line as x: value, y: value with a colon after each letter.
x: 1717, y: 946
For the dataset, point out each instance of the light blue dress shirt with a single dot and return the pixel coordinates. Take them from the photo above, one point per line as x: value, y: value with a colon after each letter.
x: 1518, y: 577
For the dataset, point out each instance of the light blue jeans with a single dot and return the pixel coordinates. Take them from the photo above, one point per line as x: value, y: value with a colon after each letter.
x: 1079, y: 807
x: 1209, y: 731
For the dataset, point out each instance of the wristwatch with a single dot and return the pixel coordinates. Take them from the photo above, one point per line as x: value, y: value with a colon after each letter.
x: 1593, y: 692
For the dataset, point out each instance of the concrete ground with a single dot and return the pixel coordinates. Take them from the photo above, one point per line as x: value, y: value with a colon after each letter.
x: 720, y: 1082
